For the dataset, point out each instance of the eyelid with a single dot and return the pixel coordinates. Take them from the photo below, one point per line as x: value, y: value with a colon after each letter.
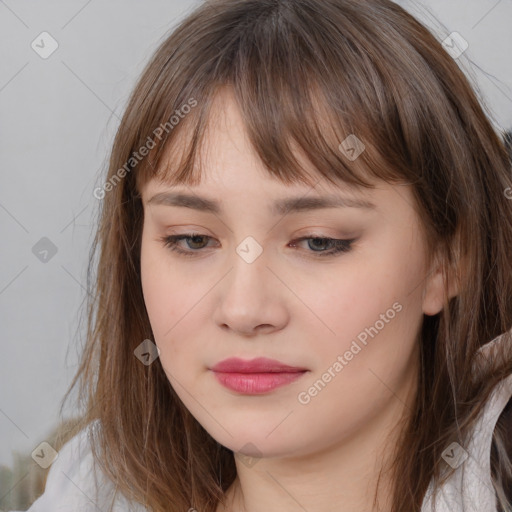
x: 341, y: 245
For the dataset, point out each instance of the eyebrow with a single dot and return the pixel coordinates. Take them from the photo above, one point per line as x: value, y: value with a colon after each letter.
x: 279, y: 207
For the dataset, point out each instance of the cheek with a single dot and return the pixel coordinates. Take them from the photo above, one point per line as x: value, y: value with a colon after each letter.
x: 375, y: 300
x: 163, y: 292
x: 171, y: 298
x: 347, y: 299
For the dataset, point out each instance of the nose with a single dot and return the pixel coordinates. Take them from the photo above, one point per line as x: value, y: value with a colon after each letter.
x: 250, y: 299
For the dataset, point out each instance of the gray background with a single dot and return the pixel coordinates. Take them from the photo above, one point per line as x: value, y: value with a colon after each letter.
x: 58, y: 118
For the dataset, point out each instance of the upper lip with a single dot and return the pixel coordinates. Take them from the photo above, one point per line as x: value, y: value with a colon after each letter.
x: 258, y: 365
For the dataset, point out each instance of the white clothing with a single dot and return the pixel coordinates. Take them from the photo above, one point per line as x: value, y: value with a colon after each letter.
x: 469, y: 489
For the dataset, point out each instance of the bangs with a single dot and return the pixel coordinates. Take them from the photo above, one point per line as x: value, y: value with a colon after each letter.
x: 287, y: 148
x: 301, y: 100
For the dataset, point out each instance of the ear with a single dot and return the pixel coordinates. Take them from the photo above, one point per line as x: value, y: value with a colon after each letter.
x: 435, y: 293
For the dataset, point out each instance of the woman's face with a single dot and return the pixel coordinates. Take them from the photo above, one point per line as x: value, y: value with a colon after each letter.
x: 246, y: 287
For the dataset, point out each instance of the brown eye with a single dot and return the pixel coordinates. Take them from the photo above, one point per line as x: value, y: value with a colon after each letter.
x: 195, y: 242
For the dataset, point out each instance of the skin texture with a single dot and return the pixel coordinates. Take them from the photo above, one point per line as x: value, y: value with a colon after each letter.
x: 296, y: 307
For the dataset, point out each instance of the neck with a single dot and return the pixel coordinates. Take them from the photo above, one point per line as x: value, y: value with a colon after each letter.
x: 341, y: 478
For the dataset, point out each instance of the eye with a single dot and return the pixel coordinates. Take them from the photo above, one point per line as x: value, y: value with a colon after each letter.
x: 320, y: 246
x: 333, y: 245
x: 197, y: 242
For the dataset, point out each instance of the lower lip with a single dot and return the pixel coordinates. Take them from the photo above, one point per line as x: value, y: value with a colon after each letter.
x: 256, y: 383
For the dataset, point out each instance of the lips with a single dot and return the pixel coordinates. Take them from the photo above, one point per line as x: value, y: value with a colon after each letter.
x: 258, y: 365
x: 256, y: 376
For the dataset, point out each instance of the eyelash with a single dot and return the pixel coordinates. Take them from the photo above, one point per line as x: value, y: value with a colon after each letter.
x: 340, y: 246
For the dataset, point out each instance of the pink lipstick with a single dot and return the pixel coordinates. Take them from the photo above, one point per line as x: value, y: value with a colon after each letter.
x: 255, y: 376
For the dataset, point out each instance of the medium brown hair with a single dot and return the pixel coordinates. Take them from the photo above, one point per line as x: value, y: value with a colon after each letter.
x: 305, y: 75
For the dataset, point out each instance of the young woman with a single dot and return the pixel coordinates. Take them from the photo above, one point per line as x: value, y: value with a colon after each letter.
x: 304, y: 283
